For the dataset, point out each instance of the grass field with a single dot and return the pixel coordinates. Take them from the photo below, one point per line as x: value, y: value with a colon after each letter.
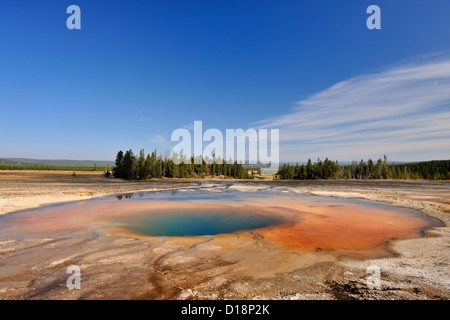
x: 46, y: 167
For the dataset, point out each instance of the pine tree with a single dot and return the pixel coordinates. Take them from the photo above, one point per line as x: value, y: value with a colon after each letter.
x: 225, y: 168
x: 213, y: 168
x: 304, y: 173
x: 148, y: 166
x: 184, y: 170
x: 128, y: 165
x: 362, y: 170
x: 153, y: 165
x: 192, y: 173
x: 318, y: 169
x: 384, y: 168
x: 370, y: 169
x: 309, y: 170
x: 353, y: 170
x: 206, y: 169
x: 337, y: 170
x: 378, y: 169
x: 118, y: 169
x: 142, y: 172
x: 158, y: 167
x: 297, y: 170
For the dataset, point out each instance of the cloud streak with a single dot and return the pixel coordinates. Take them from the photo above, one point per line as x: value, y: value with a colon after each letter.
x: 403, y: 112
x: 159, y: 139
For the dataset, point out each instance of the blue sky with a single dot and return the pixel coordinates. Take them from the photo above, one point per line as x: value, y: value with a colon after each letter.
x: 137, y: 70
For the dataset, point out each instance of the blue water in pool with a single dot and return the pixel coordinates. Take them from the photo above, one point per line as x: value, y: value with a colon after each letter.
x: 198, y: 222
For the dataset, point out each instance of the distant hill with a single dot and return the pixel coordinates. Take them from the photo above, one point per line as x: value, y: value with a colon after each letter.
x: 57, y: 163
x: 343, y: 163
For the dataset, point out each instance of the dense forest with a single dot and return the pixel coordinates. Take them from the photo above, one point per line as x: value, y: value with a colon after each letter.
x: 142, y: 167
x: 430, y: 170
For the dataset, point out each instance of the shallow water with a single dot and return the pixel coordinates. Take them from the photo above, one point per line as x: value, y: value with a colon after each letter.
x: 291, y: 220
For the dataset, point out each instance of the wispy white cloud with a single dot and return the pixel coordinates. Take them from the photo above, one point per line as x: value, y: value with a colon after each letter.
x: 403, y: 112
x: 159, y: 139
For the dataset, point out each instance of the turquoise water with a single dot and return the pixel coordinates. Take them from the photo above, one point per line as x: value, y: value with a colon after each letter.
x: 198, y: 222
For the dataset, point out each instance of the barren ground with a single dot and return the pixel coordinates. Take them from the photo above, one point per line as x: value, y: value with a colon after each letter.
x: 118, y: 265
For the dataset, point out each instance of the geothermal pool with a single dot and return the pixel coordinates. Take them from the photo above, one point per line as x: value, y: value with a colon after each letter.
x: 199, y: 221
x: 278, y: 215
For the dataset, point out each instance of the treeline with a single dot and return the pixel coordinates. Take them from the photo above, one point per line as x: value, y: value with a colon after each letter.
x: 142, y: 167
x: 319, y: 170
x: 429, y: 170
x: 55, y: 168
